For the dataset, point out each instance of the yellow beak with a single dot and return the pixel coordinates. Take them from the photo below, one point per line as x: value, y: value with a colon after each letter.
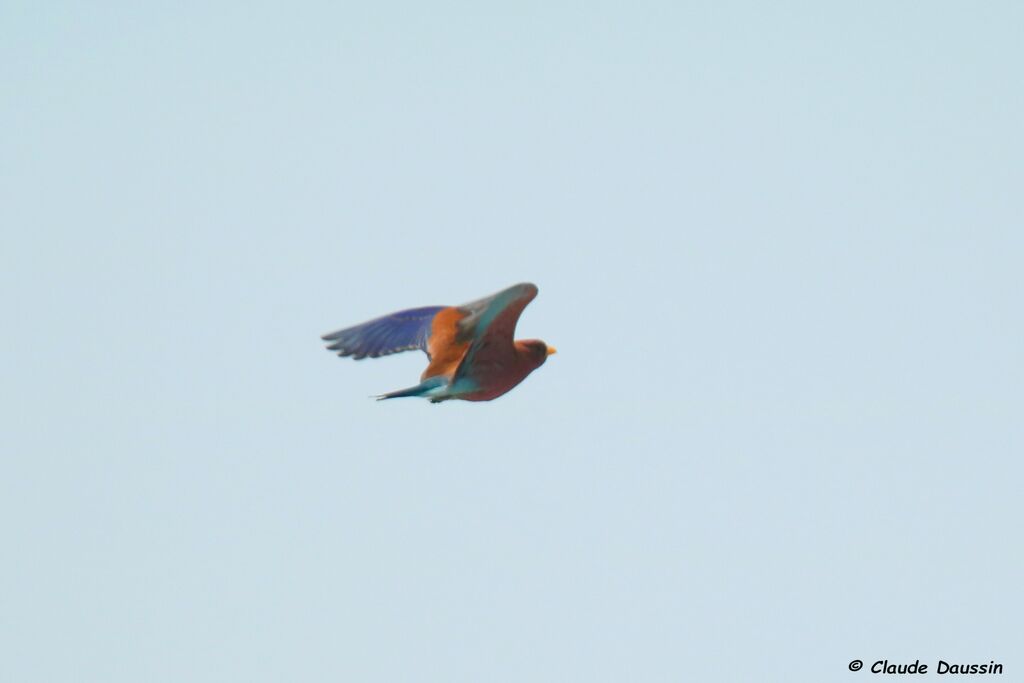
x: 552, y: 350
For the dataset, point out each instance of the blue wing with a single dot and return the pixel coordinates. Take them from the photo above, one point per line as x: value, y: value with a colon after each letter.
x: 402, y: 331
x: 497, y: 314
x: 490, y: 324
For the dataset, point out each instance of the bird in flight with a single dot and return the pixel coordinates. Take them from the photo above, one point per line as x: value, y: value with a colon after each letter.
x: 472, y: 353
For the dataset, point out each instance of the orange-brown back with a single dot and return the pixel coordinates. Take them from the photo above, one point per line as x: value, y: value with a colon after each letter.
x: 445, y: 348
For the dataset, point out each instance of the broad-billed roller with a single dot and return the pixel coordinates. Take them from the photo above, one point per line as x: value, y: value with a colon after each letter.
x: 472, y: 353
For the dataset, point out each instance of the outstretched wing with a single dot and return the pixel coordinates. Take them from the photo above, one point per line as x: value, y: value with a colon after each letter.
x: 402, y: 331
x: 490, y: 324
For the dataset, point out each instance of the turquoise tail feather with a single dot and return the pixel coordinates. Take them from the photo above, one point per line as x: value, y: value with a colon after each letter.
x: 428, y: 388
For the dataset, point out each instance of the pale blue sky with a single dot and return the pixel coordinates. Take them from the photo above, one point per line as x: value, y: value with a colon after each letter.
x: 778, y: 247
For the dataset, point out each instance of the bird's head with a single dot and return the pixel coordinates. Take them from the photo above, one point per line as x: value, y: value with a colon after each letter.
x: 535, y: 350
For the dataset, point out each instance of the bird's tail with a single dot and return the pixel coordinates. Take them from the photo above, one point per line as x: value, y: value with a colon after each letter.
x: 428, y: 388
